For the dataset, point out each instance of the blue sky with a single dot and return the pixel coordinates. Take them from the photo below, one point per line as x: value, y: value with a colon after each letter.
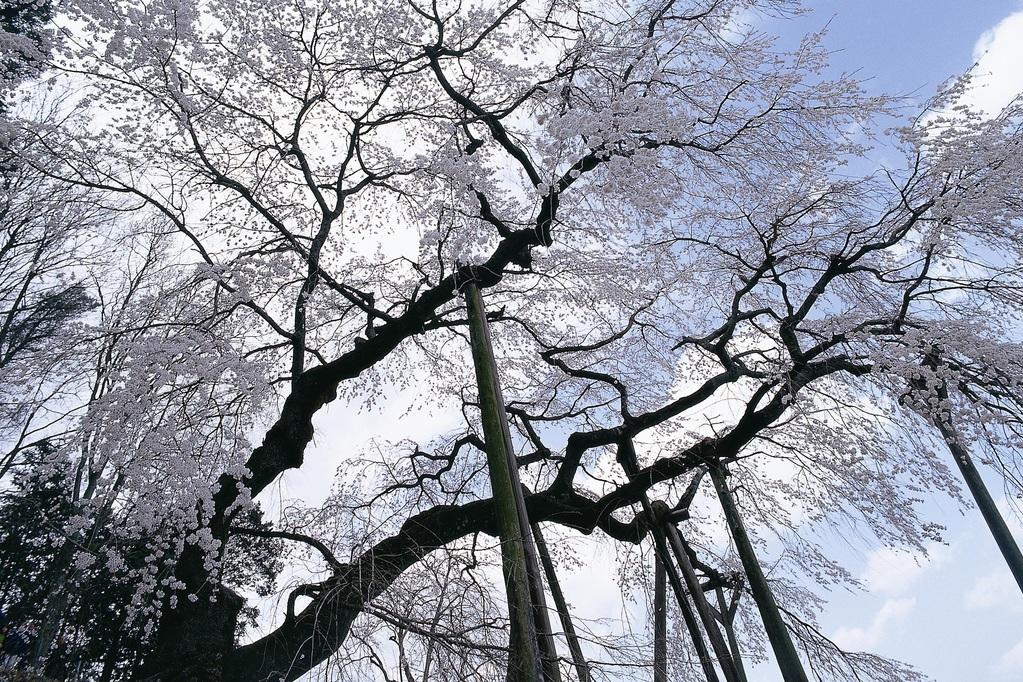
x: 902, y: 45
x: 956, y: 616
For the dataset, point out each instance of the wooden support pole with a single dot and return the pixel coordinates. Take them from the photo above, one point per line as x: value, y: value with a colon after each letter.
x: 974, y: 481
x: 660, y: 621
x: 717, y: 641
x: 627, y: 458
x: 582, y: 667
x: 784, y: 650
x: 988, y: 509
x: 727, y: 612
x: 532, y: 652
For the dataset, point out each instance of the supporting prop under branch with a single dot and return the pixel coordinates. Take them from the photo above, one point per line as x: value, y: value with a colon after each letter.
x: 706, y: 613
x: 582, y: 667
x: 660, y: 621
x: 778, y: 635
x: 627, y: 458
x: 532, y: 654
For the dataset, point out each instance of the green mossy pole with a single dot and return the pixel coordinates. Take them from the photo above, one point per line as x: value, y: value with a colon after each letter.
x: 710, y: 626
x: 728, y: 621
x: 660, y: 621
x: 784, y: 650
x: 986, y: 504
x: 582, y: 667
x: 532, y: 653
x: 661, y: 547
x: 627, y: 458
x: 981, y: 496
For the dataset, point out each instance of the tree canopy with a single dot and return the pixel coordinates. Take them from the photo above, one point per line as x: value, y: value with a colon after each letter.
x: 230, y: 222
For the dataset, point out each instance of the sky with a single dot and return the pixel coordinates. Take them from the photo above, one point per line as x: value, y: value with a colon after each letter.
x: 956, y: 615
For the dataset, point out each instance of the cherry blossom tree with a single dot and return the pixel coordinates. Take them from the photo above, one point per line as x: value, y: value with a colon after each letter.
x: 705, y: 304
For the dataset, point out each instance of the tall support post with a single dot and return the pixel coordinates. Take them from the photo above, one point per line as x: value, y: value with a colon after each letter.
x: 582, y: 667
x: 717, y: 641
x: 627, y: 458
x: 532, y: 652
x: 727, y: 611
x: 660, y: 621
x: 784, y: 650
x: 981, y: 496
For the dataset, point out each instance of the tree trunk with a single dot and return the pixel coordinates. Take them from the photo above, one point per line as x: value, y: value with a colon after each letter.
x: 777, y: 633
x: 195, y: 636
x: 110, y: 659
x: 533, y: 655
x: 53, y: 609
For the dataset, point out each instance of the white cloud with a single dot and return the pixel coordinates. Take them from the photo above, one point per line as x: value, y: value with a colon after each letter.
x: 1011, y: 514
x: 998, y: 54
x: 891, y: 613
x: 893, y: 572
x: 1011, y: 662
x: 996, y: 589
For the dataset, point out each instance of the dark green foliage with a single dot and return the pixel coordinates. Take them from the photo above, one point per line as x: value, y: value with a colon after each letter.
x: 94, y: 633
x: 252, y: 563
x: 24, y: 18
x: 97, y: 637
